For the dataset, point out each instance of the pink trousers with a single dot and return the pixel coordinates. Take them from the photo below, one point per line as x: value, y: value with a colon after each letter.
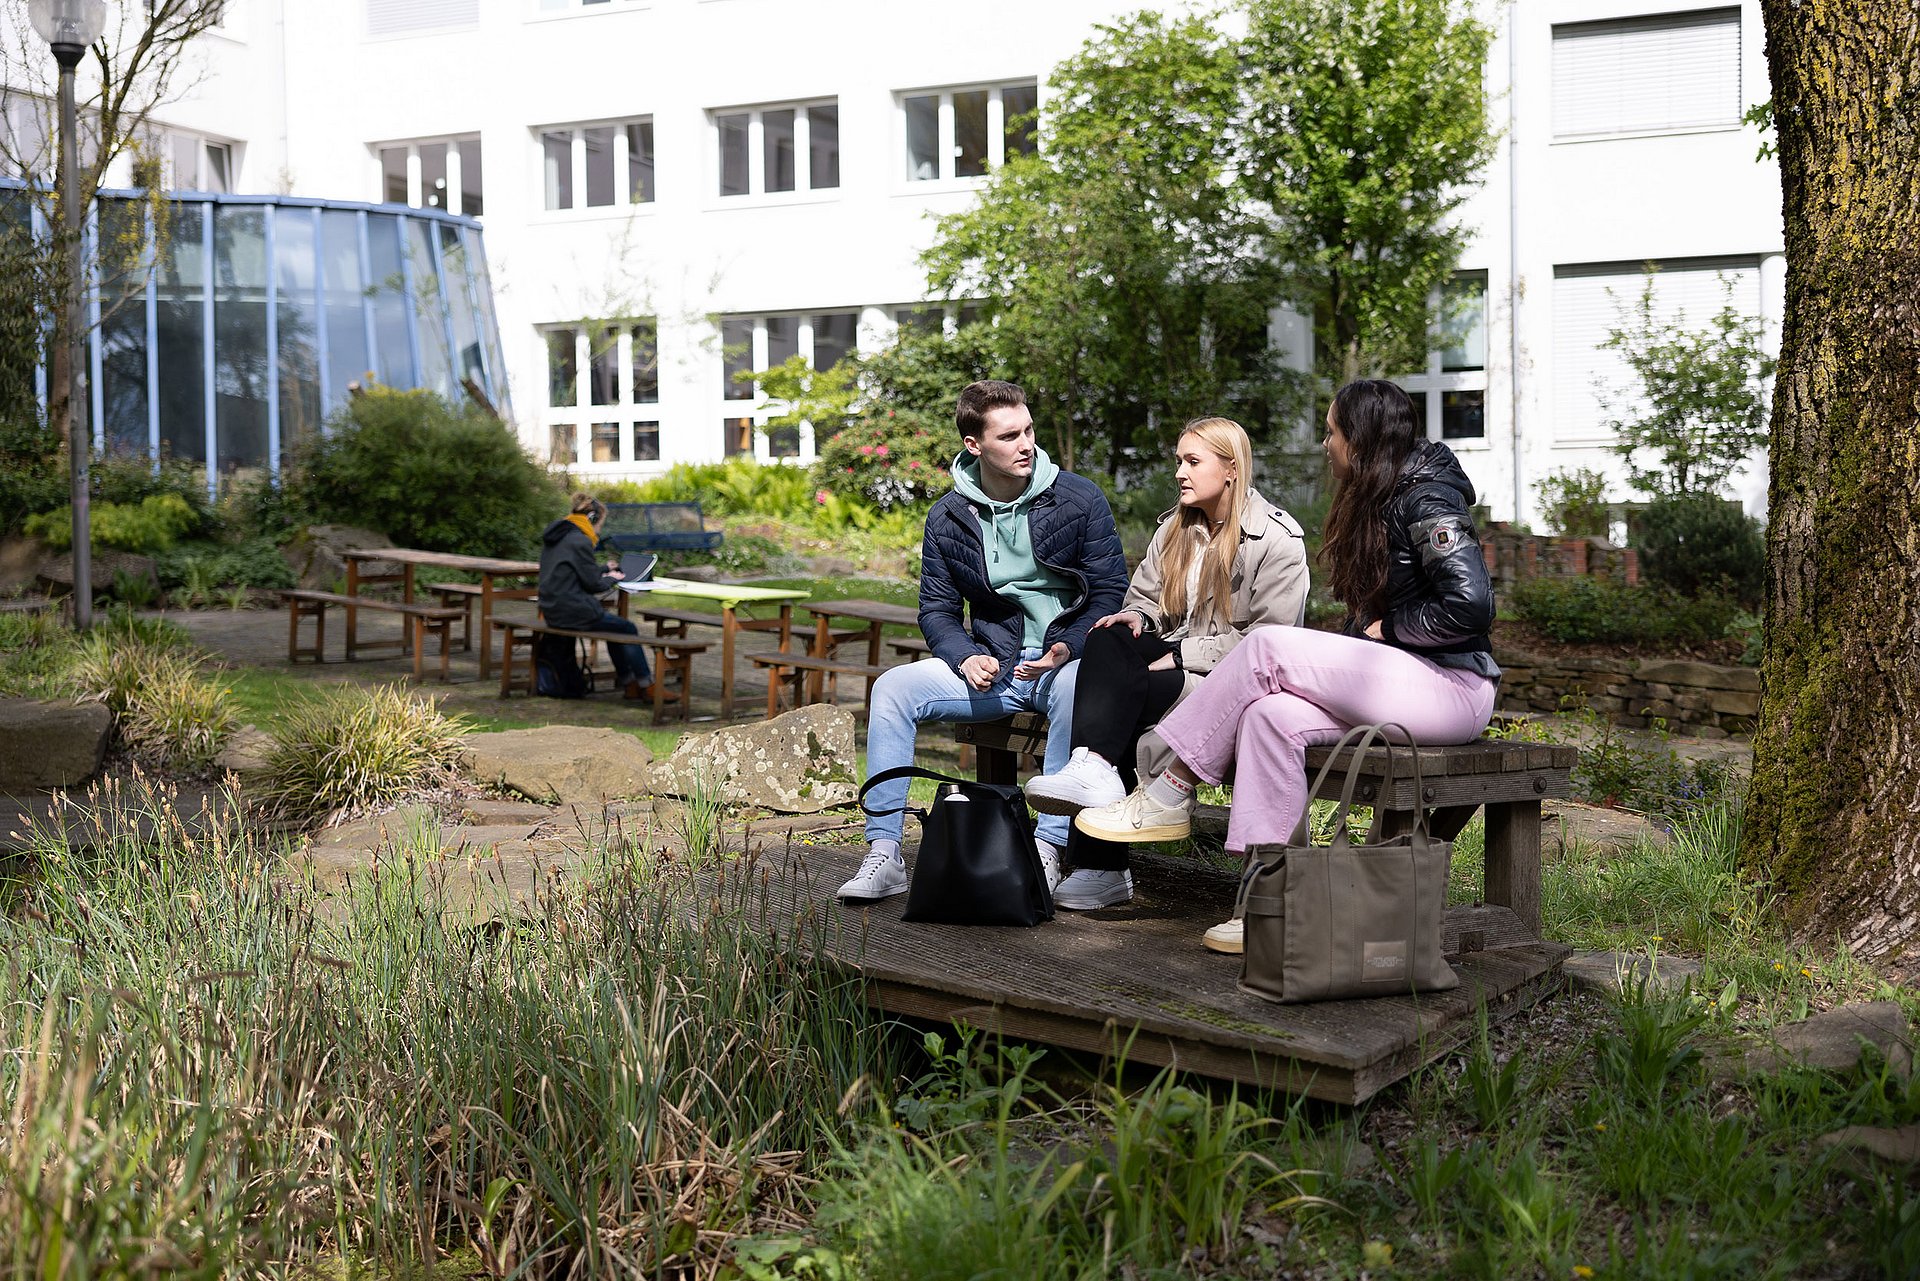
x: 1283, y: 689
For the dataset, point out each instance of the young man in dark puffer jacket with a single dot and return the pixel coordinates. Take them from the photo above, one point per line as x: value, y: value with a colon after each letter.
x: 1016, y: 564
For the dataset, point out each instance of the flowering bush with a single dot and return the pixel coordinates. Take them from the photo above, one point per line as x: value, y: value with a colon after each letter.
x: 889, y: 458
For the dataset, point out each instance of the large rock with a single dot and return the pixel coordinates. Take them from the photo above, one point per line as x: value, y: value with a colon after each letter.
x: 245, y: 755
x: 107, y: 567
x: 50, y: 744
x: 565, y: 763
x: 1834, y: 1041
x: 314, y: 553
x: 1566, y: 824
x: 1608, y: 972
x: 799, y: 763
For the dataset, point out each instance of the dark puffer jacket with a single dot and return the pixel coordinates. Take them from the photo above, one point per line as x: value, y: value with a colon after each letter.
x: 1073, y: 534
x: 1439, y: 598
x: 571, y: 577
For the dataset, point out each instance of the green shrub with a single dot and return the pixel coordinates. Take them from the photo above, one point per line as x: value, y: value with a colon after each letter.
x: 1573, y: 502
x: 111, y: 664
x: 252, y: 562
x: 354, y: 749
x: 1698, y: 545
x: 428, y: 475
x: 154, y: 524
x: 1592, y: 611
x: 890, y: 458
x: 32, y: 469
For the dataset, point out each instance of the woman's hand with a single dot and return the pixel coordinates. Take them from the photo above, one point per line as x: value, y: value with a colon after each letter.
x: 1125, y: 618
x: 1374, y: 630
x: 1054, y: 657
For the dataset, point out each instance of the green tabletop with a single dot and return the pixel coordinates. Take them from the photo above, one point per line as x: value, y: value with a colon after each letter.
x: 729, y: 594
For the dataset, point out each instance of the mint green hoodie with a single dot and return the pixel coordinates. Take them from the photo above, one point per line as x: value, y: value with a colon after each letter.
x: 1041, y: 593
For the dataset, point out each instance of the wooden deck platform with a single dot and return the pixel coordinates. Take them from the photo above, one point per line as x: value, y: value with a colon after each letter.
x: 1135, y: 979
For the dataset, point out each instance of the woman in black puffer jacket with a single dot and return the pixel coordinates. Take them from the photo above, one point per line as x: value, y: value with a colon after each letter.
x: 1403, y: 557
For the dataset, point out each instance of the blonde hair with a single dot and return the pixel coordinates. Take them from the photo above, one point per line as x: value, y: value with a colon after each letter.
x: 1228, y: 441
x: 587, y: 505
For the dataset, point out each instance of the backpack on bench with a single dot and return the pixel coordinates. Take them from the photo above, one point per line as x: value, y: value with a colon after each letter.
x: 557, y: 670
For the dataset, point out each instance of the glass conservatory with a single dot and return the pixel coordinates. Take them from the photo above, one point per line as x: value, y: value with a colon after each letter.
x: 226, y: 329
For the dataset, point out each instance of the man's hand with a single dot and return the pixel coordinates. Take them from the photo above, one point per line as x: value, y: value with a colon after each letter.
x: 979, y: 670
x: 1125, y: 618
x: 1053, y: 658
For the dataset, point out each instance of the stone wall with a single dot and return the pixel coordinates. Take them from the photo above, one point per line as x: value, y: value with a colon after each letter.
x: 1514, y: 557
x: 1697, y: 699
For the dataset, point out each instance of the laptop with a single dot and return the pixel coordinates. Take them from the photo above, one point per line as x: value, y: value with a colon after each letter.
x: 636, y: 568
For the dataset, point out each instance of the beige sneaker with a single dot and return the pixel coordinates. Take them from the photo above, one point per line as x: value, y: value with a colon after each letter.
x: 1138, y: 818
x: 1228, y: 936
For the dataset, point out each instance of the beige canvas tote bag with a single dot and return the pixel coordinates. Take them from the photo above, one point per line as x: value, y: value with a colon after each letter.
x: 1328, y: 922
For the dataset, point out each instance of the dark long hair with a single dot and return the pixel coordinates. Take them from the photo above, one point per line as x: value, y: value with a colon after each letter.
x: 1381, y: 429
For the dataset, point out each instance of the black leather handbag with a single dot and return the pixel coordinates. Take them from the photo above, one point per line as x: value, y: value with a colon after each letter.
x: 977, y: 864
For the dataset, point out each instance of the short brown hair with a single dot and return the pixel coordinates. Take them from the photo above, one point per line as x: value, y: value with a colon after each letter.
x: 978, y: 399
x: 590, y: 507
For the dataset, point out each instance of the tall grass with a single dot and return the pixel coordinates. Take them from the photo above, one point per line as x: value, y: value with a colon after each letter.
x: 210, y: 1078
x: 353, y: 748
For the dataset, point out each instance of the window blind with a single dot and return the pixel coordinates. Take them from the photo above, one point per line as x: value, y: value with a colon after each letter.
x: 1591, y: 300
x: 1646, y: 74
x: 402, y: 17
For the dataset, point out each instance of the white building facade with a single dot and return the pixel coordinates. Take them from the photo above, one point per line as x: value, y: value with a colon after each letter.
x: 677, y: 191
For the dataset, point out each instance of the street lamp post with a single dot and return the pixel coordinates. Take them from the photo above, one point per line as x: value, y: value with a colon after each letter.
x: 68, y: 27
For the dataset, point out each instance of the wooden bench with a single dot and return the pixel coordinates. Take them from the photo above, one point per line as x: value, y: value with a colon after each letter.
x: 1507, y: 779
x: 422, y: 619
x: 794, y: 669
x: 910, y: 646
x: 461, y: 596
x: 672, y: 656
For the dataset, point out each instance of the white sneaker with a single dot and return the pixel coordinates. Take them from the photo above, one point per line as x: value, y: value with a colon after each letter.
x: 1049, y: 863
x: 1228, y: 936
x: 1088, y: 890
x: 881, y: 875
x: 1084, y: 782
x: 1138, y: 818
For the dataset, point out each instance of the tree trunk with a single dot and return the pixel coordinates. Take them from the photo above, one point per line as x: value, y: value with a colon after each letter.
x: 1833, y: 818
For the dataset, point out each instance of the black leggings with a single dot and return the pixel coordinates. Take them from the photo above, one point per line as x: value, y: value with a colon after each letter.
x: 1115, y: 700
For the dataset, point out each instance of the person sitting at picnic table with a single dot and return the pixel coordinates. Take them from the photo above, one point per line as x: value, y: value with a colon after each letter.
x: 1016, y: 563
x: 1402, y: 555
x: 572, y: 581
x: 1224, y: 561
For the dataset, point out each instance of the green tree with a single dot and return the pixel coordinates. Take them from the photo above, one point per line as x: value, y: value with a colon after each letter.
x: 1833, y: 815
x: 1699, y: 406
x: 1122, y: 263
x: 1367, y: 128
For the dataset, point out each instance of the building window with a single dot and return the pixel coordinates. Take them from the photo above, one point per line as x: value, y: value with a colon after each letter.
x: 1591, y: 300
x: 771, y: 150
x: 1450, y: 394
x: 412, y: 17
x: 194, y: 163
x: 963, y: 133
x: 1651, y: 74
x: 587, y: 6
x: 935, y: 318
x: 26, y: 130
x: 603, y: 392
x: 598, y: 166
x: 433, y: 173
x: 752, y: 344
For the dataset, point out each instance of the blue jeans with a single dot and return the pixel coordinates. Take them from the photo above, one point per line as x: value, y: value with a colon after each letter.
x: 907, y: 695
x: 629, y: 661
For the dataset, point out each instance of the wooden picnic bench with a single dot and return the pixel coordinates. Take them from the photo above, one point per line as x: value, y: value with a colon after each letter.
x: 672, y: 656
x: 910, y: 646
x: 1507, y: 779
x: 796, y: 669
x: 422, y: 618
x: 462, y: 596
x: 674, y: 622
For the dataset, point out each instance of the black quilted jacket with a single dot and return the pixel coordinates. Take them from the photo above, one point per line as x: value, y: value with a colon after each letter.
x: 1073, y: 533
x: 1439, y: 598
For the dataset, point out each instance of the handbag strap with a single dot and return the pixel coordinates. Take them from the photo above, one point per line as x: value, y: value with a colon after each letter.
x: 903, y: 771
x: 1365, y: 734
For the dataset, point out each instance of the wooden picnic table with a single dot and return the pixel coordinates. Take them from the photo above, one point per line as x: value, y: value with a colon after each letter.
x: 736, y: 600
x: 873, y: 614
x: 410, y: 559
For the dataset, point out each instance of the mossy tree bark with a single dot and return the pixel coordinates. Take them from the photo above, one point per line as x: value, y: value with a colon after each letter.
x: 1834, y: 812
